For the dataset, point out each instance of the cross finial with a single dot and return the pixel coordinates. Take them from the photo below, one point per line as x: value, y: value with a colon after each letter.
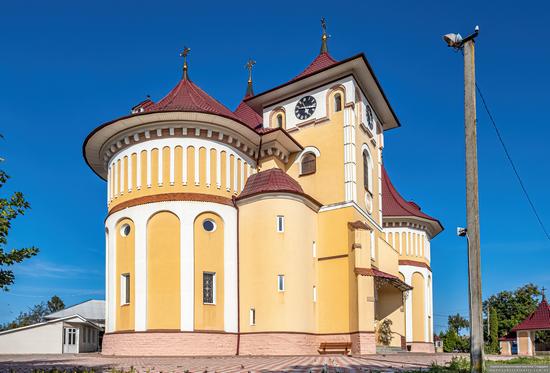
x: 249, y: 65
x: 184, y: 54
x: 543, y: 295
x: 324, y: 37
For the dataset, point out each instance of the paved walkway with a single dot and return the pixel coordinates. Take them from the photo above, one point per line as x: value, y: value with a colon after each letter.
x: 390, y: 362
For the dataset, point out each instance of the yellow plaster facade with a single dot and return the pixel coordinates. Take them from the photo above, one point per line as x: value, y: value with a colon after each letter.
x: 232, y: 233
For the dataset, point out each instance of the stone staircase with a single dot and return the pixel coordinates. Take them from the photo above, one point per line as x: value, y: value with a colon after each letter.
x: 384, y: 350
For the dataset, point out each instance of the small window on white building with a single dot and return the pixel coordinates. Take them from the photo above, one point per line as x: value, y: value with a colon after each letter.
x: 372, y: 246
x: 209, y: 288
x: 281, y: 282
x: 252, y: 316
x: 314, y: 294
x: 314, y: 249
x: 125, y: 288
x: 280, y: 223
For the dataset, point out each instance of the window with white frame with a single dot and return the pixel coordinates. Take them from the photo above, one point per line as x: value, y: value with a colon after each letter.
x: 281, y: 282
x: 208, y: 288
x: 280, y: 223
x: 314, y: 249
x: 252, y: 316
x: 372, y: 246
x: 125, y: 288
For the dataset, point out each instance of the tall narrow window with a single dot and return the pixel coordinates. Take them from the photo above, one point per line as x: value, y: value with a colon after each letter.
x: 125, y: 288
x: 308, y: 164
x: 370, y: 118
x: 337, y: 102
x: 314, y: 249
x: 208, y: 288
x: 367, y: 182
x: 280, y: 223
x: 279, y: 120
x: 252, y: 316
x: 281, y: 282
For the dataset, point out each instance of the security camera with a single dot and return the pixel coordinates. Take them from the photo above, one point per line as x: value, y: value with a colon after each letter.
x: 461, y: 232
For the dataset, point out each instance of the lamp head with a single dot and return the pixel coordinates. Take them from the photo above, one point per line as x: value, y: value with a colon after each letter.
x: 453, y: 40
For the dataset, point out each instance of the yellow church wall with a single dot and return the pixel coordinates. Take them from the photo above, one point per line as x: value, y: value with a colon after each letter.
x: 387, y: 258
x: 163, y: 271
x: 209, y: 257
x: 265, y: 253
x: 389, y: 306
x: 120, y: 172
x: 125, y: 264
x: 418, y: 299
x: 328, y: 137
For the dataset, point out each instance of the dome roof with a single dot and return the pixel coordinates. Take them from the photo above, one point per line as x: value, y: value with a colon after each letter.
x: 187, y: 96
x: 272, y: 180
x: 394, y: 205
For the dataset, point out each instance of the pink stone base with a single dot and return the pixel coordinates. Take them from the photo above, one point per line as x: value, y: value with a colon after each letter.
x: 220, y: 344
x: 169, y: 344
x: 363, y: 344
x: 426, y: 347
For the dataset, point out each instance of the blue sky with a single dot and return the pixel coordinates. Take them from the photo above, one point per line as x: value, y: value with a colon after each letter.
x: 66, y: 67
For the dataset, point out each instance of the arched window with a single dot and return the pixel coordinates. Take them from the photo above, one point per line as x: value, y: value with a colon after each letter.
x: 279, y: 120
x: 337, y: 102
x: 308, y: 164
x: 367, y: 171
x: 370, y: 119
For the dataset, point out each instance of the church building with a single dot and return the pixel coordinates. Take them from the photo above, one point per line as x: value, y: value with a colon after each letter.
x: 273, y: 229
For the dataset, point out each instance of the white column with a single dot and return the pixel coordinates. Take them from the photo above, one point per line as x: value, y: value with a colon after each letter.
x: 184, y: 166
x: 187, y: 270
x: 130, y: 172
x: 160, y: 167
x: 230, y: 271
x: 218, y: 170
x: 115, y: 167
x: 121, y: 175
x: 138, y: 170
x: 242, y: 174
x: 208, y: 167
x: 140, y: 235
x: 197, y: 166
x: 148, y: 168
x: 227, y: 172
x: 172, y: 165
x: 235, y: 173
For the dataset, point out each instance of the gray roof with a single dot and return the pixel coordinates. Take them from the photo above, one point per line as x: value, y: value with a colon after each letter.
x: 93, y: 309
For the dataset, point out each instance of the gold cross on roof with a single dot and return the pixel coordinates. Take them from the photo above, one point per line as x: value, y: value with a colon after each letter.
x: 184, y: 54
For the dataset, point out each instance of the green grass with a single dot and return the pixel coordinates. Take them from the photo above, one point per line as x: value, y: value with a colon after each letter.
x: 523, y: 360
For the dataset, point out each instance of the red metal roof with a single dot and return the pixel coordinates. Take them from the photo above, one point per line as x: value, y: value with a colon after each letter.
x: 248, y: 115
x: 538, y: 320
x: 393, y: 204
x: 187, y: 96
x: 394, y: 280
x: 272, y: 180
x: 320, y: 62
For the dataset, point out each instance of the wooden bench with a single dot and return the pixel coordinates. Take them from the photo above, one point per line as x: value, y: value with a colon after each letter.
x: 335, y: 347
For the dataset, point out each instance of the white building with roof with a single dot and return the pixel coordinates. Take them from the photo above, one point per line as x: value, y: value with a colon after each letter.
x: 72, y: 330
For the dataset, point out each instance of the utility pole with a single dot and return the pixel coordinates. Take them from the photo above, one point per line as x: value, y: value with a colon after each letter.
x: 467, y: 45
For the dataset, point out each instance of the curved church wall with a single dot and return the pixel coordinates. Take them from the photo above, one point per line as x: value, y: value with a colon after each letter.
x: 176, y: 165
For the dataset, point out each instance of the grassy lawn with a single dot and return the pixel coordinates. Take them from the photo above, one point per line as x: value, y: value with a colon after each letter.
x: 462, y: 364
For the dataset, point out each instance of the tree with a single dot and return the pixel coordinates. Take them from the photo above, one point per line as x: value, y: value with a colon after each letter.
x: 457, y: 322
x: 10, y: 208
x: 493, y: 331
x: 512, y: 307
x: 35, y: 314
x: 55, y: 304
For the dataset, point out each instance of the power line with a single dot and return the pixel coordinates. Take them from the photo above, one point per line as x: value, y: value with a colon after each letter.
x: 512, y: 163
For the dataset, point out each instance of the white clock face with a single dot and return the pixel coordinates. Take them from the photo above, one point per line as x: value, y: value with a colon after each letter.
x: 305, y: 107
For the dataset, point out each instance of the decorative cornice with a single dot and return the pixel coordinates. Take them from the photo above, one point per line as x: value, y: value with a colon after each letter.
x: 414, y: 263
x: 199, y: 197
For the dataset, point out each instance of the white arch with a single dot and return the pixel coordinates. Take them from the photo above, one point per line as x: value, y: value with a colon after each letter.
x: 307, y: 149
x: 365, y: 148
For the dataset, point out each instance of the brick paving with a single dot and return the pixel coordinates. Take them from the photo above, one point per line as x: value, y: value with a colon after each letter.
x: 233, y: 364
